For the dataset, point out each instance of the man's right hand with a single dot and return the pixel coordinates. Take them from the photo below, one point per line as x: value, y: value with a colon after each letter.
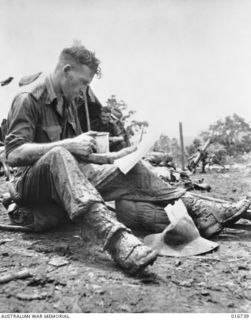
x: 82, y: 145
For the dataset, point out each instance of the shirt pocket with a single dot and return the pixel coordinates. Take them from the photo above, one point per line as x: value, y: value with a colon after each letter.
x: 53, y: 132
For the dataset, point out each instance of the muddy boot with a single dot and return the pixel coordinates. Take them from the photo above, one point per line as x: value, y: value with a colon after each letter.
x: 129, y: 252
x: 211, y: 217
x: 126, y: 250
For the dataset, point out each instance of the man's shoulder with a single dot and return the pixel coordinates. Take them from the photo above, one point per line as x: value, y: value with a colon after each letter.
x: 113, y: 126
x: 36, y: 89
x: 96, y: 124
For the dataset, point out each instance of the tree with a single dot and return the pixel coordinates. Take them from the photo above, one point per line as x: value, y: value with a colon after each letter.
x: 120, y: 110
x: 219, y: 151
x: 234, y: 133
x: 163, y: 144
x: 121, y: 106
x: 170, y: 146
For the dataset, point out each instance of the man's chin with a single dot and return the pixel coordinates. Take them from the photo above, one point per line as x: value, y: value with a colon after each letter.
x: 70, y: 98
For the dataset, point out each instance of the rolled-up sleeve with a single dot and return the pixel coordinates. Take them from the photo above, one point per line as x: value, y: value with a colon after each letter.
x: 21, y: 122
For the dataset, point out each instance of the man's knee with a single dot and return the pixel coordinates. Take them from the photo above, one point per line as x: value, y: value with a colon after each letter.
x: 56, y: 159
x: 58, y: 155
x: 58, y: 152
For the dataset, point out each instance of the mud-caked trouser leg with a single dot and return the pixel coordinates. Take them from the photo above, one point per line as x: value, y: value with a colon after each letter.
x: 141, y: 197
x: 142, y: 216
x: 209, y: 216
x: 139, y: 184
x: 56, y: 177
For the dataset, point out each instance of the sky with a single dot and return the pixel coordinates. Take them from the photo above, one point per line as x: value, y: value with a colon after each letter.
x: 172, y: 61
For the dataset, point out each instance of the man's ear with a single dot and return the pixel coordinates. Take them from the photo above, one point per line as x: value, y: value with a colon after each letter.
x: 67, y: 68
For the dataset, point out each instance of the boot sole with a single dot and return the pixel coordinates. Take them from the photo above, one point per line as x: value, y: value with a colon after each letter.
x: 235, y: 217
x: 149, y: 262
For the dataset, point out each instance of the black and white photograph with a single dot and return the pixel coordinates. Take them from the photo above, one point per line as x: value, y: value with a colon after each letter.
x: 125, y: 159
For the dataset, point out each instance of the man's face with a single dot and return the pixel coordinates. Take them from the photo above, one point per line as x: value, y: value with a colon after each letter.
x: 75, y: 81
x: 105, y: 117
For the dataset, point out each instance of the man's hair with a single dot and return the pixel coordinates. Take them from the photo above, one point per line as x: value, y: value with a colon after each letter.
x: 80, y: 55
x: 106, y: 109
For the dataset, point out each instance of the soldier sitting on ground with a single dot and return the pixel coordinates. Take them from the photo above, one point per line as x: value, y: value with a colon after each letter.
x: 59, y: 176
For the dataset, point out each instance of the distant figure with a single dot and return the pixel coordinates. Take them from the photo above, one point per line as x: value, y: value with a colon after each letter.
x: 161, y: 159
x: 204, y: 160
x: 117, y: 117
x: 105, y: 124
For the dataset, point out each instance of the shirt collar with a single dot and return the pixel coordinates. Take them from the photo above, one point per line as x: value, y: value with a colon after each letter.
x: 51, y: 94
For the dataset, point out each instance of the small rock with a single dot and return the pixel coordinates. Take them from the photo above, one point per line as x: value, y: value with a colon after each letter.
x: 212, y: 300
x: 148, y: 278
x: 91, y: 275
x: 186, y: 283
x: 202, y: 284
x: 125, y: 308
x: 75, y: 307
x: 3, y: 241
x: 227, y: 271
x: 58, y: 262
x: 98, y: 289
x: 231, y: 305
x: 59, y: 306
x: 33, y: 296
x: 241, y: 267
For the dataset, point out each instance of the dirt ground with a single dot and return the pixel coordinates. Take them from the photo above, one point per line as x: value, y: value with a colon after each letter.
x: 67, y: 273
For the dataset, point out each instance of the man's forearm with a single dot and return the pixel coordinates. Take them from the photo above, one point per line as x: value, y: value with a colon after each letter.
x: 29, y: 153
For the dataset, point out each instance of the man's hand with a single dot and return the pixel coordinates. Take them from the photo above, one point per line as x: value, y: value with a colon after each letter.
x: 82, y: 145
x: 28, y: 153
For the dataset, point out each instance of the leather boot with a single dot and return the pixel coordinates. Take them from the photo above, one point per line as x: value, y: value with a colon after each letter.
x: 129, y: 252
x: 210, y: 216
x: 125, y: 249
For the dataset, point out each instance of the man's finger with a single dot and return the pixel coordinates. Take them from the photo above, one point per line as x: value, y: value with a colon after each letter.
x: 94, y: 143
x: 92, y: 133
x: 90, y: 149
x: 94, y: 147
